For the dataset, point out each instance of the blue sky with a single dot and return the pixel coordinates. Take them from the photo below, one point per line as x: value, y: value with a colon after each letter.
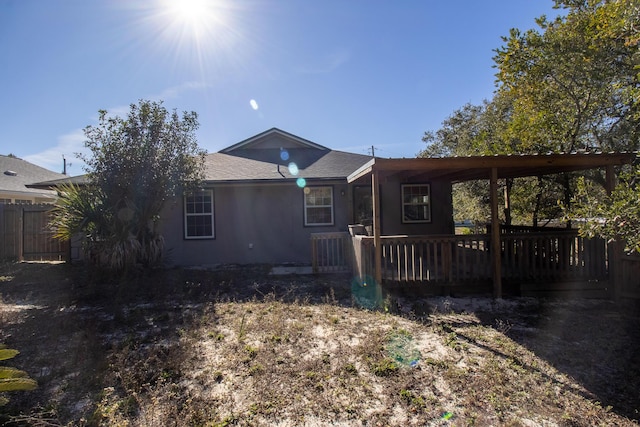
x: 347, y: 74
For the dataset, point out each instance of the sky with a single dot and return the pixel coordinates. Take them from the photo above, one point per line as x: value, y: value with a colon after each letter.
x: 346, y: 74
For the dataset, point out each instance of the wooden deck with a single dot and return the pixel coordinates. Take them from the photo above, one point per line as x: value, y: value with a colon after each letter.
x: 448, y: 261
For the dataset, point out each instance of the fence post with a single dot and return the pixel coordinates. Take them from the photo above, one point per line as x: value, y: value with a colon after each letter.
x: 616, y: 252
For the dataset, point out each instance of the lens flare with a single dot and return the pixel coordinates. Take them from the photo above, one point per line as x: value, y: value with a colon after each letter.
x: 293, y: 169
x: 284, y: 154
x: 254, y: 104
x: 302, y: 183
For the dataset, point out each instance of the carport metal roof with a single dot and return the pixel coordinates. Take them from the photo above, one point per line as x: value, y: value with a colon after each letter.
x: 458, y: 169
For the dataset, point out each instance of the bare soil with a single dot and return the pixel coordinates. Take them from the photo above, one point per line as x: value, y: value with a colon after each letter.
x: 237, y: 346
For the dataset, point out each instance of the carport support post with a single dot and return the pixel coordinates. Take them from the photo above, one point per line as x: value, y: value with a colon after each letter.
x: 495, y: 236
x: 375, y: 192
x: 615, y: 248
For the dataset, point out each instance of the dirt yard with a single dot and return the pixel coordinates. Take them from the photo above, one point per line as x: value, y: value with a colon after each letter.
x: 238, y: 346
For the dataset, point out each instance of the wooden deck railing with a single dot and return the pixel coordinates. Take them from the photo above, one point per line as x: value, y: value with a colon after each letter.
x: 525, y: 257
x: 331, y: 252
x: 561, y: 255
x: 438, y: 259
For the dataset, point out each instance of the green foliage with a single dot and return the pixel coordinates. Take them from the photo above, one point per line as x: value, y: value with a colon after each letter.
x: 575, y: 82
x: 7, y: 353
x: 571, y: 85
x: 12, y: 379
x: 613, y: 217
x: 385, y: 367
x: 135, y: 165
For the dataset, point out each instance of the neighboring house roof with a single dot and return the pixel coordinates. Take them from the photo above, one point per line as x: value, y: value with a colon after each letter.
x: 16, y: 174
x: 75, y: 180
x: 275, y: 155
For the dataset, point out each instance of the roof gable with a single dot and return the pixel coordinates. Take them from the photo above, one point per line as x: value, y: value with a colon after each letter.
x: 273, y: 138
x: 275, y: 155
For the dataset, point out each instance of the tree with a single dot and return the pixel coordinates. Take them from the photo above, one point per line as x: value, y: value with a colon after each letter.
x: 572, y: 85
x: 575, y: 83
x: 135, y: 165
x: 614, y: 217
x: 479, y: 130
x: 458, y: 136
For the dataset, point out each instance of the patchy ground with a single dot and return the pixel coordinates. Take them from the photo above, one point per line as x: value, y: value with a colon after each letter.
x: 241, y: 347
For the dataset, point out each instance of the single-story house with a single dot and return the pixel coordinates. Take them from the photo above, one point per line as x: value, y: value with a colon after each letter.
x: 260, y: 201
x: 278, y: 198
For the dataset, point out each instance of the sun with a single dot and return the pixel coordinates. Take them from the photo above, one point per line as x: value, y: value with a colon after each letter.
x: 191, y: 35
x: 195, y: 18
x: 188, y: 12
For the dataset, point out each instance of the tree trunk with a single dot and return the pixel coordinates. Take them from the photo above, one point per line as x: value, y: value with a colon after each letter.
x: 568, y: 194
x: 507, y: 201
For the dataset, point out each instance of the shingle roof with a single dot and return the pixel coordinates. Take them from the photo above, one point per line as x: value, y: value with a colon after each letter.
x: 267, y: 165
x: 274, y: 134
x: 25, y: 173
x: 260, y: 159
x: 75, y: 180
x: 275, y: 155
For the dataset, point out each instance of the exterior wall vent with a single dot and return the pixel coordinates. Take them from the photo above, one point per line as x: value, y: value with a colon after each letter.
x: 11, y: 173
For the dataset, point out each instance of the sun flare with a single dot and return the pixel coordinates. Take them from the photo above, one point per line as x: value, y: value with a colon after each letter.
x: 196, y: 18
x: 190, y: 12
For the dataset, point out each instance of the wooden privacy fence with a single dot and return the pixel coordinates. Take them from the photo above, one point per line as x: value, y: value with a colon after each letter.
x: 630, y: 275
x: 555, y: 256
x: 25, y: 235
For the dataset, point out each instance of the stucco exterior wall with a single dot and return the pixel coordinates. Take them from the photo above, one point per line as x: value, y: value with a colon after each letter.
x: 253, y: 224
x: 391, y: 207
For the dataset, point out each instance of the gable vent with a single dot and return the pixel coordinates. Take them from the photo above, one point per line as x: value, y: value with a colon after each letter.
x: 11, y: 173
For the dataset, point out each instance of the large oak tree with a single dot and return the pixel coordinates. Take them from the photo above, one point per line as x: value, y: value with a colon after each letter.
x: 570, y: 85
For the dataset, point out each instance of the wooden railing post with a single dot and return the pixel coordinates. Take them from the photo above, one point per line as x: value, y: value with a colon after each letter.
x: 495, y: 235
x: 375, y: 182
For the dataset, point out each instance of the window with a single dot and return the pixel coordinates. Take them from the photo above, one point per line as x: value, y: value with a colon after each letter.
x: 318, y: 206
x: 198, y: 215
x: 416, y: 203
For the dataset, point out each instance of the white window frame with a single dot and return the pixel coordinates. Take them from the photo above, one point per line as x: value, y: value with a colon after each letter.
x: 426, y: 204
x: 199, y: 214
x: 307, y: 192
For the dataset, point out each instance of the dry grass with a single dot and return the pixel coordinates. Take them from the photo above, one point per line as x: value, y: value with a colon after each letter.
x: 240, y: 347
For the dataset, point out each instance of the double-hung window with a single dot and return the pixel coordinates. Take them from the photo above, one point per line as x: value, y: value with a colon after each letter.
x: 198, y: 215
x: 416, y: 203
x: 318, y: 206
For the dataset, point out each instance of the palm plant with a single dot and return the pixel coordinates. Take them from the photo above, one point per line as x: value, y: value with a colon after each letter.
x: 12, y: 379
x: 107, y: 227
